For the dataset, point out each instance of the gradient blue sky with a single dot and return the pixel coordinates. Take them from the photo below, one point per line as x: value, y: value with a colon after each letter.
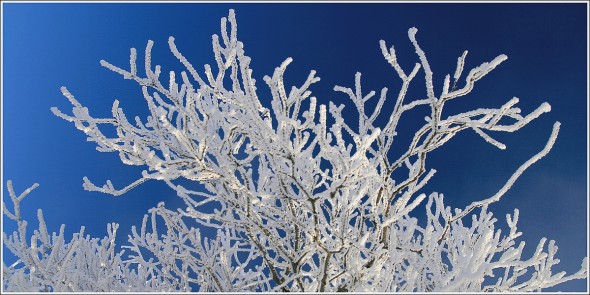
x: 46, y: 46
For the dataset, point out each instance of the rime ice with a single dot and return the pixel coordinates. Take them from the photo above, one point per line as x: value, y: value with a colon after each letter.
x: 303, y: 205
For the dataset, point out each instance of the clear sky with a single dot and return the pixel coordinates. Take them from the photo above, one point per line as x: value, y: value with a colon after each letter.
x: 46, y: 46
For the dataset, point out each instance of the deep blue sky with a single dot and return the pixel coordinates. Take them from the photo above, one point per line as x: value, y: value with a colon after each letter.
x: 47, y: 46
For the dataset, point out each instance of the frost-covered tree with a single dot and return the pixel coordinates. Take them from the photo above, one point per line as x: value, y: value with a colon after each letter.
x: 304, y: 200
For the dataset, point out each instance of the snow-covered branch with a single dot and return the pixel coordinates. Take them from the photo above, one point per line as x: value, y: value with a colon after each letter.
x: 302, y: 202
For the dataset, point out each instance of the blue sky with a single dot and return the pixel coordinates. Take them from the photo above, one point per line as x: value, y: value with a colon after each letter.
x: 46, y: 46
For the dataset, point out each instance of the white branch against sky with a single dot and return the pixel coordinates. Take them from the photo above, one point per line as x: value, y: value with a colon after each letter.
x: 306, y: 199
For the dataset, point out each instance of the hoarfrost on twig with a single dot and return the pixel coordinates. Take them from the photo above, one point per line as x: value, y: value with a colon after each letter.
x: 301, y: 204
